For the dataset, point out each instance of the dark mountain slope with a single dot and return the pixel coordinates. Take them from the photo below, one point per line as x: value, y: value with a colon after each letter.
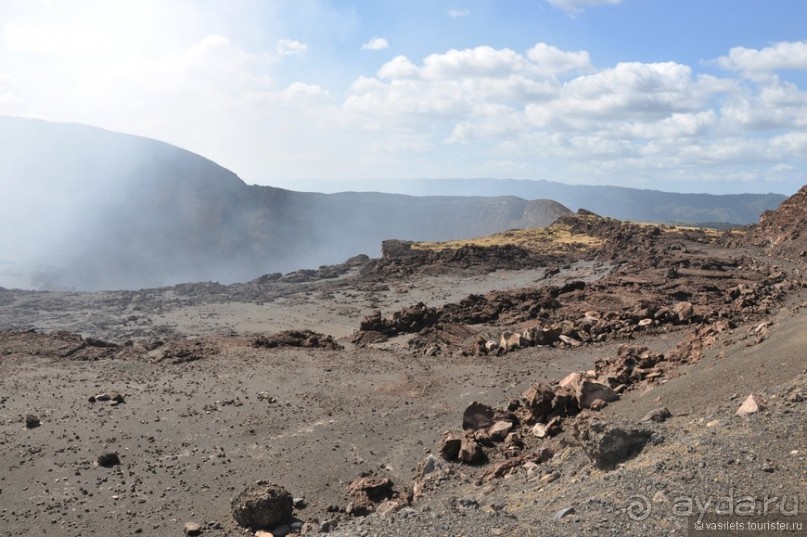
x: 92, y: 209
x: 615, y: 202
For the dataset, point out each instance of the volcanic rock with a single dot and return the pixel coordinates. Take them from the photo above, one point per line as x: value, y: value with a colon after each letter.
x: 608, y: 444
x: 511, y: 340
x: 31, y: 421
x: 470, y: 451
x: 262, y: 505
x: 377, y: 489
x: 537, y: 400
x: 192, y: 528
x: 589, y: 392
x: 500, y: 430
x: 450, y: 446
x: 683, y: 311
x: 751, y: 405
x: 657, y: 415
x: 477, y: 416
x: 108, y: 459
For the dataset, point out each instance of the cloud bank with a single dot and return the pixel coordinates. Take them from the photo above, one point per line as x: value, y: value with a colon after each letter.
x: 541, y: 112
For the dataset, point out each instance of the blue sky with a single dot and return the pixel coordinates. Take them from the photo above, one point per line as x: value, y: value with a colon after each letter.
x: 683, y: 95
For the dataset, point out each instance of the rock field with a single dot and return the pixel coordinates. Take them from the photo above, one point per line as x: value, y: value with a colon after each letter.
x: 465, y: 391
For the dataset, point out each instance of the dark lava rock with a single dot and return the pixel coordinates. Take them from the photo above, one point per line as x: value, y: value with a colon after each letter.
x: 31, y: 421
x: 658, y: 415
x: 477, y: 416
x: 263, y: 505
x: 108, y: 459
x: 450, y: 447
x: 377, y: 489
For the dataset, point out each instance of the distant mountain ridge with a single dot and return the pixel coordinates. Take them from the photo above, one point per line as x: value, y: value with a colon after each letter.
x: 93, y: 209
x: 613, y: 201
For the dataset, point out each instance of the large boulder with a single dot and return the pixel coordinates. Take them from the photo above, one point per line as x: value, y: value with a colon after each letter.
x: 608, y: 444
x: 682, y: 312
x: 588, y: 393
x: 263, y: 505
x: 537, y: 400
x: 377, y: 489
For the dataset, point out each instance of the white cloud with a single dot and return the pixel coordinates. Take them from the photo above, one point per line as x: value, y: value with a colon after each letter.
x: 648, y: 120
x: 457, y: 83
x: 458, y: 13
x: 376, y: 43
x: 541, y: 112
x: 555, y: 60
x: 473, y: 63
x: 577, y: 6
x: 398, y: 67
x: 291, y: 47
x: 785, y: 55
x: 301, y: 89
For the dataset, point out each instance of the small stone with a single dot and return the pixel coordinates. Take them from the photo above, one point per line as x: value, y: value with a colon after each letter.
x: 572, y: 342
x: 566, y: 511
x: 450, y: 446
x: 192, y: 528
x: 550, y: 428
x: 299, y: 503
x: 658, y: 415
x: 108, y: 459
x: 531, y: 467
x: 751, y: 405
x: 644, y: 323
x: 31, y: 421
x: 550, y: 477
x: 499, y: 430
x: 264, y: 533
x: 682, y: 311
x: 470, y: 451
x: 511, y: 340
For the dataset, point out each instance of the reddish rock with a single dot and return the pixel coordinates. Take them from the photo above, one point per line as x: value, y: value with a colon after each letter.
x: 377, y: 489
x: 470, y: 451
x: 538, y: 400
x: 589, y: 392
x: 499, y: 430
x: 550, y: 428
x: 682, y: 311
